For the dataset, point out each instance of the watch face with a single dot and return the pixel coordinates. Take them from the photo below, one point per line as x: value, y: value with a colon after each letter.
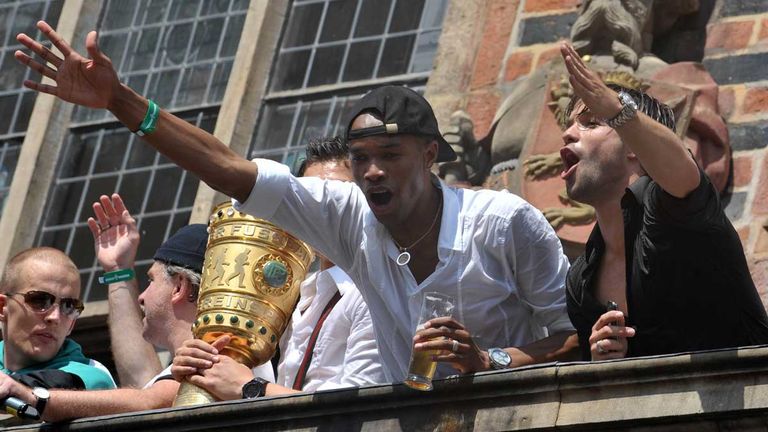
x: 500, y: 357
x: 253, y: 389
x: 626, y: 99
x: 41, y: 393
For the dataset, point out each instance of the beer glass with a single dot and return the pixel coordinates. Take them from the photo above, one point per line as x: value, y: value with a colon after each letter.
x: 422, y: 367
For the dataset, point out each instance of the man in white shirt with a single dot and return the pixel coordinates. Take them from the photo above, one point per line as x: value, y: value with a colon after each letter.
x: 329, y: 342
x: 399, y: 233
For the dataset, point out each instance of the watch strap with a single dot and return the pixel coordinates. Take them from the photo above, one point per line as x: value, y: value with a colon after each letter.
x: 41, y: 402
x: 627, y: 113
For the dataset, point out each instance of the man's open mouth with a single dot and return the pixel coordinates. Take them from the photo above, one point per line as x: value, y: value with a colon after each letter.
x: 570, y: 160
x: 380, y: 198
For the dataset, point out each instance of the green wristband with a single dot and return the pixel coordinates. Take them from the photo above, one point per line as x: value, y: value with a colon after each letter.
x: 117, y: 276
x: 150, y: 119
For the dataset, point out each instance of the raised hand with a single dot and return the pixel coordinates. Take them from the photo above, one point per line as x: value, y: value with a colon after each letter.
x: 587, y: 85
x: 115, y: 236
x: 90, y: 82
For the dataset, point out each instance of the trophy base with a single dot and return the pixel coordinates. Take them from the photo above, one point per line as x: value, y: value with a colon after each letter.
x: 190, y: 394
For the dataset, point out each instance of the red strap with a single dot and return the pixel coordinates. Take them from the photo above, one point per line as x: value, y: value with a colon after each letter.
x: 298, y: 383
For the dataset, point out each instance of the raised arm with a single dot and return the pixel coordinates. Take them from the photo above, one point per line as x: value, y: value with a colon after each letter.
x: 116, y: 240
x: 93, y: 82
x: 661, y: 153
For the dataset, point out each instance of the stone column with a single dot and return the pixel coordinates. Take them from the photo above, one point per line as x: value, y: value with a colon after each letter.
x: 245, y: 89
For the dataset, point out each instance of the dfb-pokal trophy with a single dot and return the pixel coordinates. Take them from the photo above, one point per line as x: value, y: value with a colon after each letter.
x: 249, y: 288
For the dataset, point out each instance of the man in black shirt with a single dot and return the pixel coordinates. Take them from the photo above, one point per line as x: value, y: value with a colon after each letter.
x: 663, y: 249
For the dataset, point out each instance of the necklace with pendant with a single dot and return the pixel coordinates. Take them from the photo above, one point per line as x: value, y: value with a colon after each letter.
x: 405, y: 257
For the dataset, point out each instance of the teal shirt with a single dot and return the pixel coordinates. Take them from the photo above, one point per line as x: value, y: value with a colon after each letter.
x: 69, y: 359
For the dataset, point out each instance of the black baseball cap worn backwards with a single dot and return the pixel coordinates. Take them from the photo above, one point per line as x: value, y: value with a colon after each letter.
x: 403, y: 111
x: 186, y: 248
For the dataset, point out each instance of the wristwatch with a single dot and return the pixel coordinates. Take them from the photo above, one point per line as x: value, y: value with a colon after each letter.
x: 627, y: 113
x: 499, y: 358
x: 42, y: 395
x: 255, y: 388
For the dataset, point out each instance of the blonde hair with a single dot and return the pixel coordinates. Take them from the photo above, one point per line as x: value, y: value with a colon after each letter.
x: 43, y: 254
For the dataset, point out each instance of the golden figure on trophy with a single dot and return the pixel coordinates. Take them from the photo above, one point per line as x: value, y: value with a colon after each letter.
x: 249, y: 288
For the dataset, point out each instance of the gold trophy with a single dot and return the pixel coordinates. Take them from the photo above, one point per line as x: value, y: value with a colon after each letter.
x: 249, y: 288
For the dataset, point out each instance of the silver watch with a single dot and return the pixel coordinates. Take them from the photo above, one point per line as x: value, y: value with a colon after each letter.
x: 499, y: 358
x: 42, y: 395
x: 627, y: 113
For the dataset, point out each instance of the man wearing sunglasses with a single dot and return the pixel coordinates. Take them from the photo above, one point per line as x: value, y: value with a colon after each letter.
x: 39, y: 304
x: 169, y: 307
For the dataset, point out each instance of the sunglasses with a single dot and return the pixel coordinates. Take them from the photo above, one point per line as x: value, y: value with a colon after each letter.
x: 42, y: 302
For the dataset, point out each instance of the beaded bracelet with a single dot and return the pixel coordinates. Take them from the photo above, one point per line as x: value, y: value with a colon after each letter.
x: 150, y: 119
x: 117, y: 276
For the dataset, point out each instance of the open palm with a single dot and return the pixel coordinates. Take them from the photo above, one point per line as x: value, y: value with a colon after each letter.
x: 115, y: 236
x: 91, y: 82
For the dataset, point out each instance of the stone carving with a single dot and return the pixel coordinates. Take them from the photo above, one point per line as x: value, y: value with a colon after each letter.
x: 473, y: 161
x: 706, y: 133
x: 624, y: 29
x: 612, y: 26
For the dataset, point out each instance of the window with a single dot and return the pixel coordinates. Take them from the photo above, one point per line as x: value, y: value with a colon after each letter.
x: 16, y: 101
x: 332, y: 52
x: 180, y: 54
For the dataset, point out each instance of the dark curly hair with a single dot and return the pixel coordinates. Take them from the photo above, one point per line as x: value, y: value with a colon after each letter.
x: 323, y: 150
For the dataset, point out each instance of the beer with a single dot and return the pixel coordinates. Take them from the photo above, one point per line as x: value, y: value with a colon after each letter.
x: 422, y: 367
x: 421, y: 370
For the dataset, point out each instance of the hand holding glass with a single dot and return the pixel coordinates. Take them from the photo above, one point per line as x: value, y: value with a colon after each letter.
x: 422, y: 367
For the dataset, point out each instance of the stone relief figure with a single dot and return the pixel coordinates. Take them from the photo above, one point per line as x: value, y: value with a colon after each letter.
x: 473, y: 162
x: 612, y: 26
x: 706, y: 134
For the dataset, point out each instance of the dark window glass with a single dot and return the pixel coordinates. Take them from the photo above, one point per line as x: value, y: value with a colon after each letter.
x: 96, y: 187
x: 326, y: 65
x: 144, y: 50
x: 424, y: 51
x: 290, y: 70
x: 338, y: 20
x: 232, y: 35
x: 120, y: 16
x: 114, y: 46
x: 112, y: 151
x: 372, y: 17
x: 152, y: 231
x: 406, y: 16
x: 302, y: 25
x: 206, y: 39
x: 64, y: 204
x: 361, y: 60
x: 164, y: 187
x: 396, y: 56
x: 181, y: 9
x: 194, y: 85
x: 278, y: 121
x: 7, y: 108
x: 133, y: 188
x: 176, y: 43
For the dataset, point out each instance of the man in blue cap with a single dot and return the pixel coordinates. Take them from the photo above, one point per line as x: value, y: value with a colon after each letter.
x: 169, y: 304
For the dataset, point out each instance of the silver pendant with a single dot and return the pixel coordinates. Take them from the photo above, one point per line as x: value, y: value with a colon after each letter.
x: 404, y: 258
